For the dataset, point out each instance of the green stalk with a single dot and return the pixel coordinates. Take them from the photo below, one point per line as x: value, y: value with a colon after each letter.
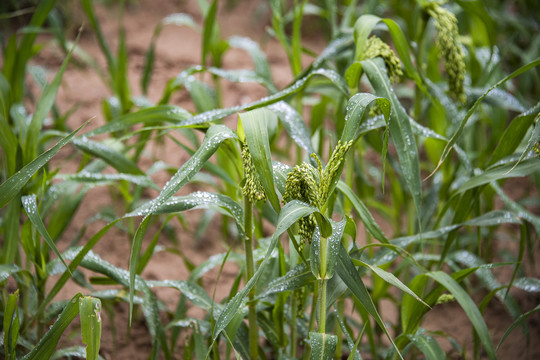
x: 322, y: 305
x: 294, y: 313
x: 250, y: 270
x: 323, y: 282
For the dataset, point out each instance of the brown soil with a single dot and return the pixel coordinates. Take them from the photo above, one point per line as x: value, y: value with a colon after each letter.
x: 177, y: 49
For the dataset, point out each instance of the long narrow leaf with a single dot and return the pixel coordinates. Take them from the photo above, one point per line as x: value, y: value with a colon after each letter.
x: 11, y: 187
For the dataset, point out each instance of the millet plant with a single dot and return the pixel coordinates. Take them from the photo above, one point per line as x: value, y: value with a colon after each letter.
x: 411, y: 114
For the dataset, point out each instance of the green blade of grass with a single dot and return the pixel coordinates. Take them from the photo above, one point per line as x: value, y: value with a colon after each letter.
x: 288, y: 215
x: 514, y: 134
x: 470, y: 309
x: 390, y: 278
x: 11, y: 187
x: 47, y: 344
x: 31, y: 209
x: 89, y: 11
x: 134, y: 260
x: 44, y: 105
x: 525, y: 168
x: 11, y: 326
x: 295, y: 88
x: 215, y: 135
x: 257, y: 56
x: 90, y: 312
x: 516, y: 323
x: 457, y: 134
x: 296, y: 278
x: 192, y: 291
x: 400, y: 129
x: 348, y: 273
x: 365, y: 215
x: 208, y: 30
x: 428, y: 346
x: 26, y: 50
x: 75, y: 262
x: 108, y: 154
x: 98, y: 178
x: 356, y: 108
x: 197, y: 200
x: 294, y: 124
x: 149, y: 303
x: 148, y: 116
x: 172, y: 19
x: 255, y: 126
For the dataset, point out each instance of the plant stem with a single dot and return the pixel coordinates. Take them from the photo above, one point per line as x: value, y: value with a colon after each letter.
x: 250, y: 270
x: 294, y: 311
x: 322, y: 286
x: 322, y: 305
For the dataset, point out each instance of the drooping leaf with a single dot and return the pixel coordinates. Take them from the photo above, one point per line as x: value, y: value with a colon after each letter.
x: 31, y: 209
x: 470, y: 309
x: 11, y: 187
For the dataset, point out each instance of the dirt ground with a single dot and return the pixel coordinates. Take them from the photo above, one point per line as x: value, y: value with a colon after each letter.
x: 178, y: 48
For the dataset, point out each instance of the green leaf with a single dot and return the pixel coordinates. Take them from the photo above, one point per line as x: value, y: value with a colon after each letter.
x: 88, y: 177
x: 323, y: 260
x: 257, y: 55
x: 514, y: 134
x: 457, y: 134
x: 215, y: 135
x: 296, y: 87
x: 478, y: 9
x: 11, y: 325
x: 525, y: 168
x: 108, y: 154
x: 192, y: 291
x: 172, y: 19
x: 428, y: 346
x: 516, y: 323
x: 356, y: 108
x: 323, y: 346
x: 208, y: 31
x: 90, y: 312
x: 294, y: 124
x: 89, y: 11
x: 348, y: 273
x: 17, y: 70
x: 365, y: 215
x: 31, y: 208
x: 296, y: 278
x: 400, y: 129
x: 148, y: 116
x: 47, y: 344
x: 290, y: 213
x: 134, y: 260
x: 11, y: 187
x: 255, y: 125
x: 75, y: 262
x: 391, y: 279
x: 197, y: 200
x: 149, y: 303
x: 470, y: 309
